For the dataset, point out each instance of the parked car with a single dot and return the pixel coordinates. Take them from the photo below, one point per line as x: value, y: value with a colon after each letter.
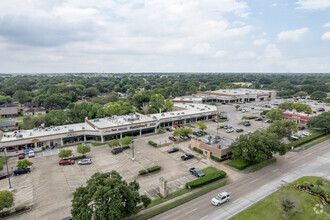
x: 184, y: 137
x: 246, y: 123
x: 117, y: 150
x: 196, y: 172
x: 172, y: 138
x: 296, y: 136
x: 3, y: 175
x: 170, y: 129
x: 227, y: 126
x: 173, y: 150
x: 66, y: 162
x: 67, y: 218
x: 258, y: 119
x: 20, y: 171
x: 220, y: 198
x: 31, y: 154
x: 187, y: 157
x: 230, y: 130
x: 238, y: 130
x: 268, y: 121
x: 306, y: 133
x: 320, y: 109
x: 198, y: 133
x: 215, y: 121
x: 189, y: 136
x: 21, y: 156
x: 249, y: 132
x: 85, y: 161
x: 301, y: 127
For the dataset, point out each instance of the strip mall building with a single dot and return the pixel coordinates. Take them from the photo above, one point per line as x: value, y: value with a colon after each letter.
x: 105, y: 129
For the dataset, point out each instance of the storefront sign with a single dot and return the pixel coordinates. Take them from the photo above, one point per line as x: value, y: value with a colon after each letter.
x: 35, y: 140
x: 122, y: 129
x: 138, y: 126
x: 152, y: 124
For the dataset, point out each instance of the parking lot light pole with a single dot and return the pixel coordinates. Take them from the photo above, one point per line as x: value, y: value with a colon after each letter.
x: 133, y: 150
x: 10, y: 188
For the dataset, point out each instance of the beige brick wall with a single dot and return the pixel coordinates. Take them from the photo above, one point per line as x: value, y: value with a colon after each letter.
x: 215, y: 151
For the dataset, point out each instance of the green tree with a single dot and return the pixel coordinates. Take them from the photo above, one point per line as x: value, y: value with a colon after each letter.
x: 107, y: 196
x: 283, y: 128
x: 55, y: 117
x: 119, y: 108
x: 257, y: 147
x: 168, y: 105
x: 65, y: 153
x: 300, y: 107
x: 24, y: 163
x: 83, y: 149
x: 289, y: 203
x: 318, y: 95
x: 96, y: 100
x: 182, y: 132
x: 274, y: 114
x: 157, y: 102
x: 5, y: 99
x: 301, y: 94
x: 6, y: 199
x: 327, y: 100
x: 23, y: 96
x: 321, y: 121
x: 201, y: 125
x: 126, y: 141
x: 114, y: 143
x: 237, y: 107
x: 111, y: 98
x: 286, y: 106
x: 91, y: 92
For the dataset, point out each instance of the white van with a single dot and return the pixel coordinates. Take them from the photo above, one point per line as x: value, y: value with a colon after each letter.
x: 220, y: 198
x: 31, y: 153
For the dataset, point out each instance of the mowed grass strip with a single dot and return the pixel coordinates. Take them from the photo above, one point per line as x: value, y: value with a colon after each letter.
x: 262, y: 165
x: 271, y: 209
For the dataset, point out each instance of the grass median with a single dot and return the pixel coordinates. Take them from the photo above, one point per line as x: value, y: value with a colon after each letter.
x: 180, y: 201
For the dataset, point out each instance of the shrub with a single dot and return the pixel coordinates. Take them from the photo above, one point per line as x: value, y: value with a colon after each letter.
x: 160, y: 132
x: 206, y: 179
x: 43, y: 148
x: 20, y: 208
x: 153, y: 169
x: 142, y: 172
x: 125, y: 147
x: 198, y: 150
x: 219, y: 159
x: 152, y: 143
x: 4, y: 213
x: 307, y: 139
x: 249, y: 117
x: 327, y: 198
x: 318, y: 190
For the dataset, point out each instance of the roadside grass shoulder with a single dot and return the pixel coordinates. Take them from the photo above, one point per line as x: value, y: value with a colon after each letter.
x: 270, y: 208
x: 261, y: 165
x: 238, y: 164
x: 180, y: 201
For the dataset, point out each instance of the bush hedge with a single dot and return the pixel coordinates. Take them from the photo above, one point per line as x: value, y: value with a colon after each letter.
x: 306, y: 139
x: 149, y: 170
x: 198, y: 150
x: 125, y: 147
x: 20, y: 208
x: 153, y: 143
x: 249, y: 117
x: 5, y: 213
x: 219, y: 159
x: 206, y: 179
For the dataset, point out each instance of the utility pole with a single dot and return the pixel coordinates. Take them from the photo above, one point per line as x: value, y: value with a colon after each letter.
x: 10, y: 188
x: 133, y: 150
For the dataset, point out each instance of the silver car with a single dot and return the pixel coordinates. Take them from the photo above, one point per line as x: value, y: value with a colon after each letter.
x: 85, y: 161
x: 220, y: 198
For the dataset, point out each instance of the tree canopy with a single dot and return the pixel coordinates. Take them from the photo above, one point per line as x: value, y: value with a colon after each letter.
x: 283, y: 128
x: 321, y: 121
x: 201, y: 126
x: 182, y: 132
x: 65, y: 153
x: 114, y: 143
x: 274, y: 114
x: 318, y: 95
x: 107, y: 196
x: 6, y: 199
x: 126, y: 141
x: 83, y: 149
x: 24, y: 163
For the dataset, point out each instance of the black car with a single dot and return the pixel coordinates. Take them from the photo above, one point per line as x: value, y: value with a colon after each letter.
x: 320, y: 109
x: 238, y: 130
x: 198, y: 133
x: 187, y: 157
x: 20, y: 171
x: 117, y: 150
x: 196, y: 172
x: 3, y: 175
x: 246, y: 123
x: 173, y: 150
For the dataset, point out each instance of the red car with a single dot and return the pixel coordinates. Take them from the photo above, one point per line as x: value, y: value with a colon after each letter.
x: 172, y: 138
x: 21, y: 156
x: 66, y: 162
x: 215, y: 121
x: 258, y: 119
x: 301, y: 127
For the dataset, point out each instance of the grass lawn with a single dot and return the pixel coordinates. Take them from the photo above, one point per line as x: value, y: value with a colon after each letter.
x: 190, y: 126
x: 209, y: 170
x: 2, y: 162
x: 97, y: 144
x: 238, y: 164
x: 4, y: 119
x: 262, y: 165
x: 269, y: 208
x: 169, y: 196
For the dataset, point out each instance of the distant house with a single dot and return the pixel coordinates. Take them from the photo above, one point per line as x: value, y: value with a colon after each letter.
x: 34, y: 111
x: 9, y: 110
x: 6, y: 125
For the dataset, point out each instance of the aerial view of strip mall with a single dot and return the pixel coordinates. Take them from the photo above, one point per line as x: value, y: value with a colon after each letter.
x: 165, y: 110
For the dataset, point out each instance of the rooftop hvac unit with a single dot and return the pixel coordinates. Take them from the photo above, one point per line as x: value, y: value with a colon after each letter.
x: 35, y: 129
x: 162, y: 114
x: 70, y: 130
x: 30, y: 133
x: 96, y: 120
x: 83, y: 128
x: 154, y: 117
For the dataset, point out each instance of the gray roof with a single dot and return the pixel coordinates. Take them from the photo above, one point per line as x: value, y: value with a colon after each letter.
x: 8, y: 111
x: 5, y: 123
x: 8, y: 105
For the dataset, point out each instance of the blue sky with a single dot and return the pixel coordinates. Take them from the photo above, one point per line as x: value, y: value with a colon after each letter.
x: 165, y: 36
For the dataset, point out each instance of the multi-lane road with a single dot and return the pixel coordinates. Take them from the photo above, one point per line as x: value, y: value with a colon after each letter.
x: 255, y: 186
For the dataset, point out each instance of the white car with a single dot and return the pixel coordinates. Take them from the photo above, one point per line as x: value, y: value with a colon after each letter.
x: 306, y: 133
x: 85, y: 161
x: 230, y: 130
x: 220, y: 198
x: 31, y: 153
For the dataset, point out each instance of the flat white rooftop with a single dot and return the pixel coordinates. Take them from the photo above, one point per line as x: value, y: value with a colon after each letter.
x: 240, y: 91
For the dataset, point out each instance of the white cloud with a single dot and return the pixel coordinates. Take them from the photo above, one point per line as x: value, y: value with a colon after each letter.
x: 327, y: 25
x: 202, y: 49
x: 274, y: 5
x: 326, y: 36
x: 313, y: 4
x: 220, y: 53
x: 245, y: 55
x: 260, y: 42
x: 271, y: 51
x: 293, y: 34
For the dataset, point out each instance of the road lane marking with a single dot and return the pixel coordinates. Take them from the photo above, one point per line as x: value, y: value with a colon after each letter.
x: 275, y: 170
x: 204, y: 217
x: 253, y: 181
x: 190, y: 211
